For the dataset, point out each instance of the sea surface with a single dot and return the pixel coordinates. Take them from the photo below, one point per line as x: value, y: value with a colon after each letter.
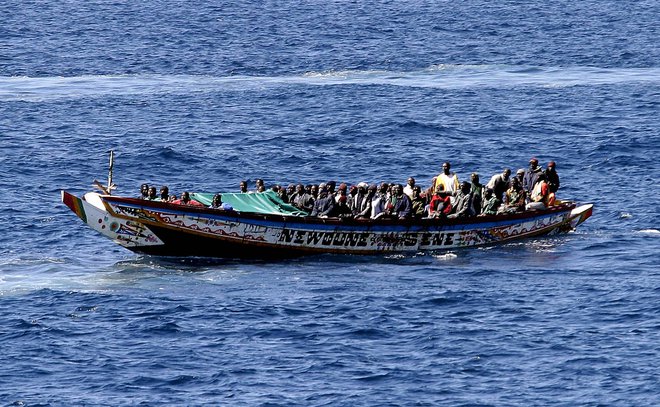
x: 201, y: 95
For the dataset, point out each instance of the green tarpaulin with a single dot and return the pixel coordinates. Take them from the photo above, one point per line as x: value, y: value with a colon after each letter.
x: 264, y: 202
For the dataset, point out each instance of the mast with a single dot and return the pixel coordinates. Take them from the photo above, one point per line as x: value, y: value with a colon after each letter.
x: 112, y: 164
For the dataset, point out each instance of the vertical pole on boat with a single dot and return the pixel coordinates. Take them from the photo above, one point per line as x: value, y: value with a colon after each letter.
x: 112, y: 164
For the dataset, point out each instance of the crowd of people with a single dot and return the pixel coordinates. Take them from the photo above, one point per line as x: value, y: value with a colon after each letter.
x: 447, y: 197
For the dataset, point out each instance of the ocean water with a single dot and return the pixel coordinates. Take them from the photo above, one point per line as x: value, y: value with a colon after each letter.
x: 201, y: 95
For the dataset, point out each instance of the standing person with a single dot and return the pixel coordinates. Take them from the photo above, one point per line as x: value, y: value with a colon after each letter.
x: 552, y: 177
x: 410, y: 186
x: 531, y: 176
x: 448, y: 179
x: 477, y: 191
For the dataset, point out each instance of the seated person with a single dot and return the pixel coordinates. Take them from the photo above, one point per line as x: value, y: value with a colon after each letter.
x: 152, y: 195
x: 362, y: 201
x: 440, y: 205
x: 325, y: 206
x: 463, y: 207
x: 164, y: 193
x: 343, y: 210
x: 399, y: 205
x: 541, y: 196
x: 144, y: 191
x: 379, y: 201
x: 418, y: 202
x: 514, y: 199
x: 218, y: 204
x: 491, y: 203
x: 186, y: 200
x: 302, y: 199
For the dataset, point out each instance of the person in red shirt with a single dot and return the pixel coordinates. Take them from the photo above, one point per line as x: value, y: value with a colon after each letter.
x: 186, y: 200
x: 440, y: 205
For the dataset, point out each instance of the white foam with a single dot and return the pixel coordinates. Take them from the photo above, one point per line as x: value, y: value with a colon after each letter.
x: 446, y: 256
x: 649, y: 231
x: 445, y: 76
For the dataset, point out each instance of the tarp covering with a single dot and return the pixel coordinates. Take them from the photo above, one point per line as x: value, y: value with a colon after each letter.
x: 264, y: 202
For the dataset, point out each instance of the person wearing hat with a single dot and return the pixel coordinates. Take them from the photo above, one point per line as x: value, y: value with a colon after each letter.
x: 531, y: 176
x: 552, y: 177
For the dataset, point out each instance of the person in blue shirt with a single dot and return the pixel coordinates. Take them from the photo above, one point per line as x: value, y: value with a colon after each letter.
x: 218, y: 204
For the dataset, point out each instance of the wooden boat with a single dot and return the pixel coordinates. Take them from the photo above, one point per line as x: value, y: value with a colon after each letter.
x: 272, y: 230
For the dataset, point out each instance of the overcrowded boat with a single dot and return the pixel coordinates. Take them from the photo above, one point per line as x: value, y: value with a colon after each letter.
x: 263, y: 226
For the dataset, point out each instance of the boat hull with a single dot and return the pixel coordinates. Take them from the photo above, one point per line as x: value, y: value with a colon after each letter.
x: 165, y: 229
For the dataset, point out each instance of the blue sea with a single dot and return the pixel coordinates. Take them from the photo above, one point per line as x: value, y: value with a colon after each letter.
x: 201, y: 95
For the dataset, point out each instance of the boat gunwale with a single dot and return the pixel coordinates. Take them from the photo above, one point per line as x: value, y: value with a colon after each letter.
x: 282, y: 218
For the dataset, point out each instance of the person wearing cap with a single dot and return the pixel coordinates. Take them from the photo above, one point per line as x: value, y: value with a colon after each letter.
x: 531, y: 176
x: 552, y: 177
x: 341, y: 191
x: 448, y: 179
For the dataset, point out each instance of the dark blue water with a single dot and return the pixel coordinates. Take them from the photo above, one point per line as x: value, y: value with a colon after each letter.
x: 201, y: 95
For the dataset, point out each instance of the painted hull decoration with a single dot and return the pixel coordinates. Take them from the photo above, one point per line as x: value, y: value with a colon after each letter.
x: 167, y: 229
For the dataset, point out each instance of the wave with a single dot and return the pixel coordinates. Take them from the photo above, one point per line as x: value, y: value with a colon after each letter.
x: 436, y: 76
x: 653, y: 232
